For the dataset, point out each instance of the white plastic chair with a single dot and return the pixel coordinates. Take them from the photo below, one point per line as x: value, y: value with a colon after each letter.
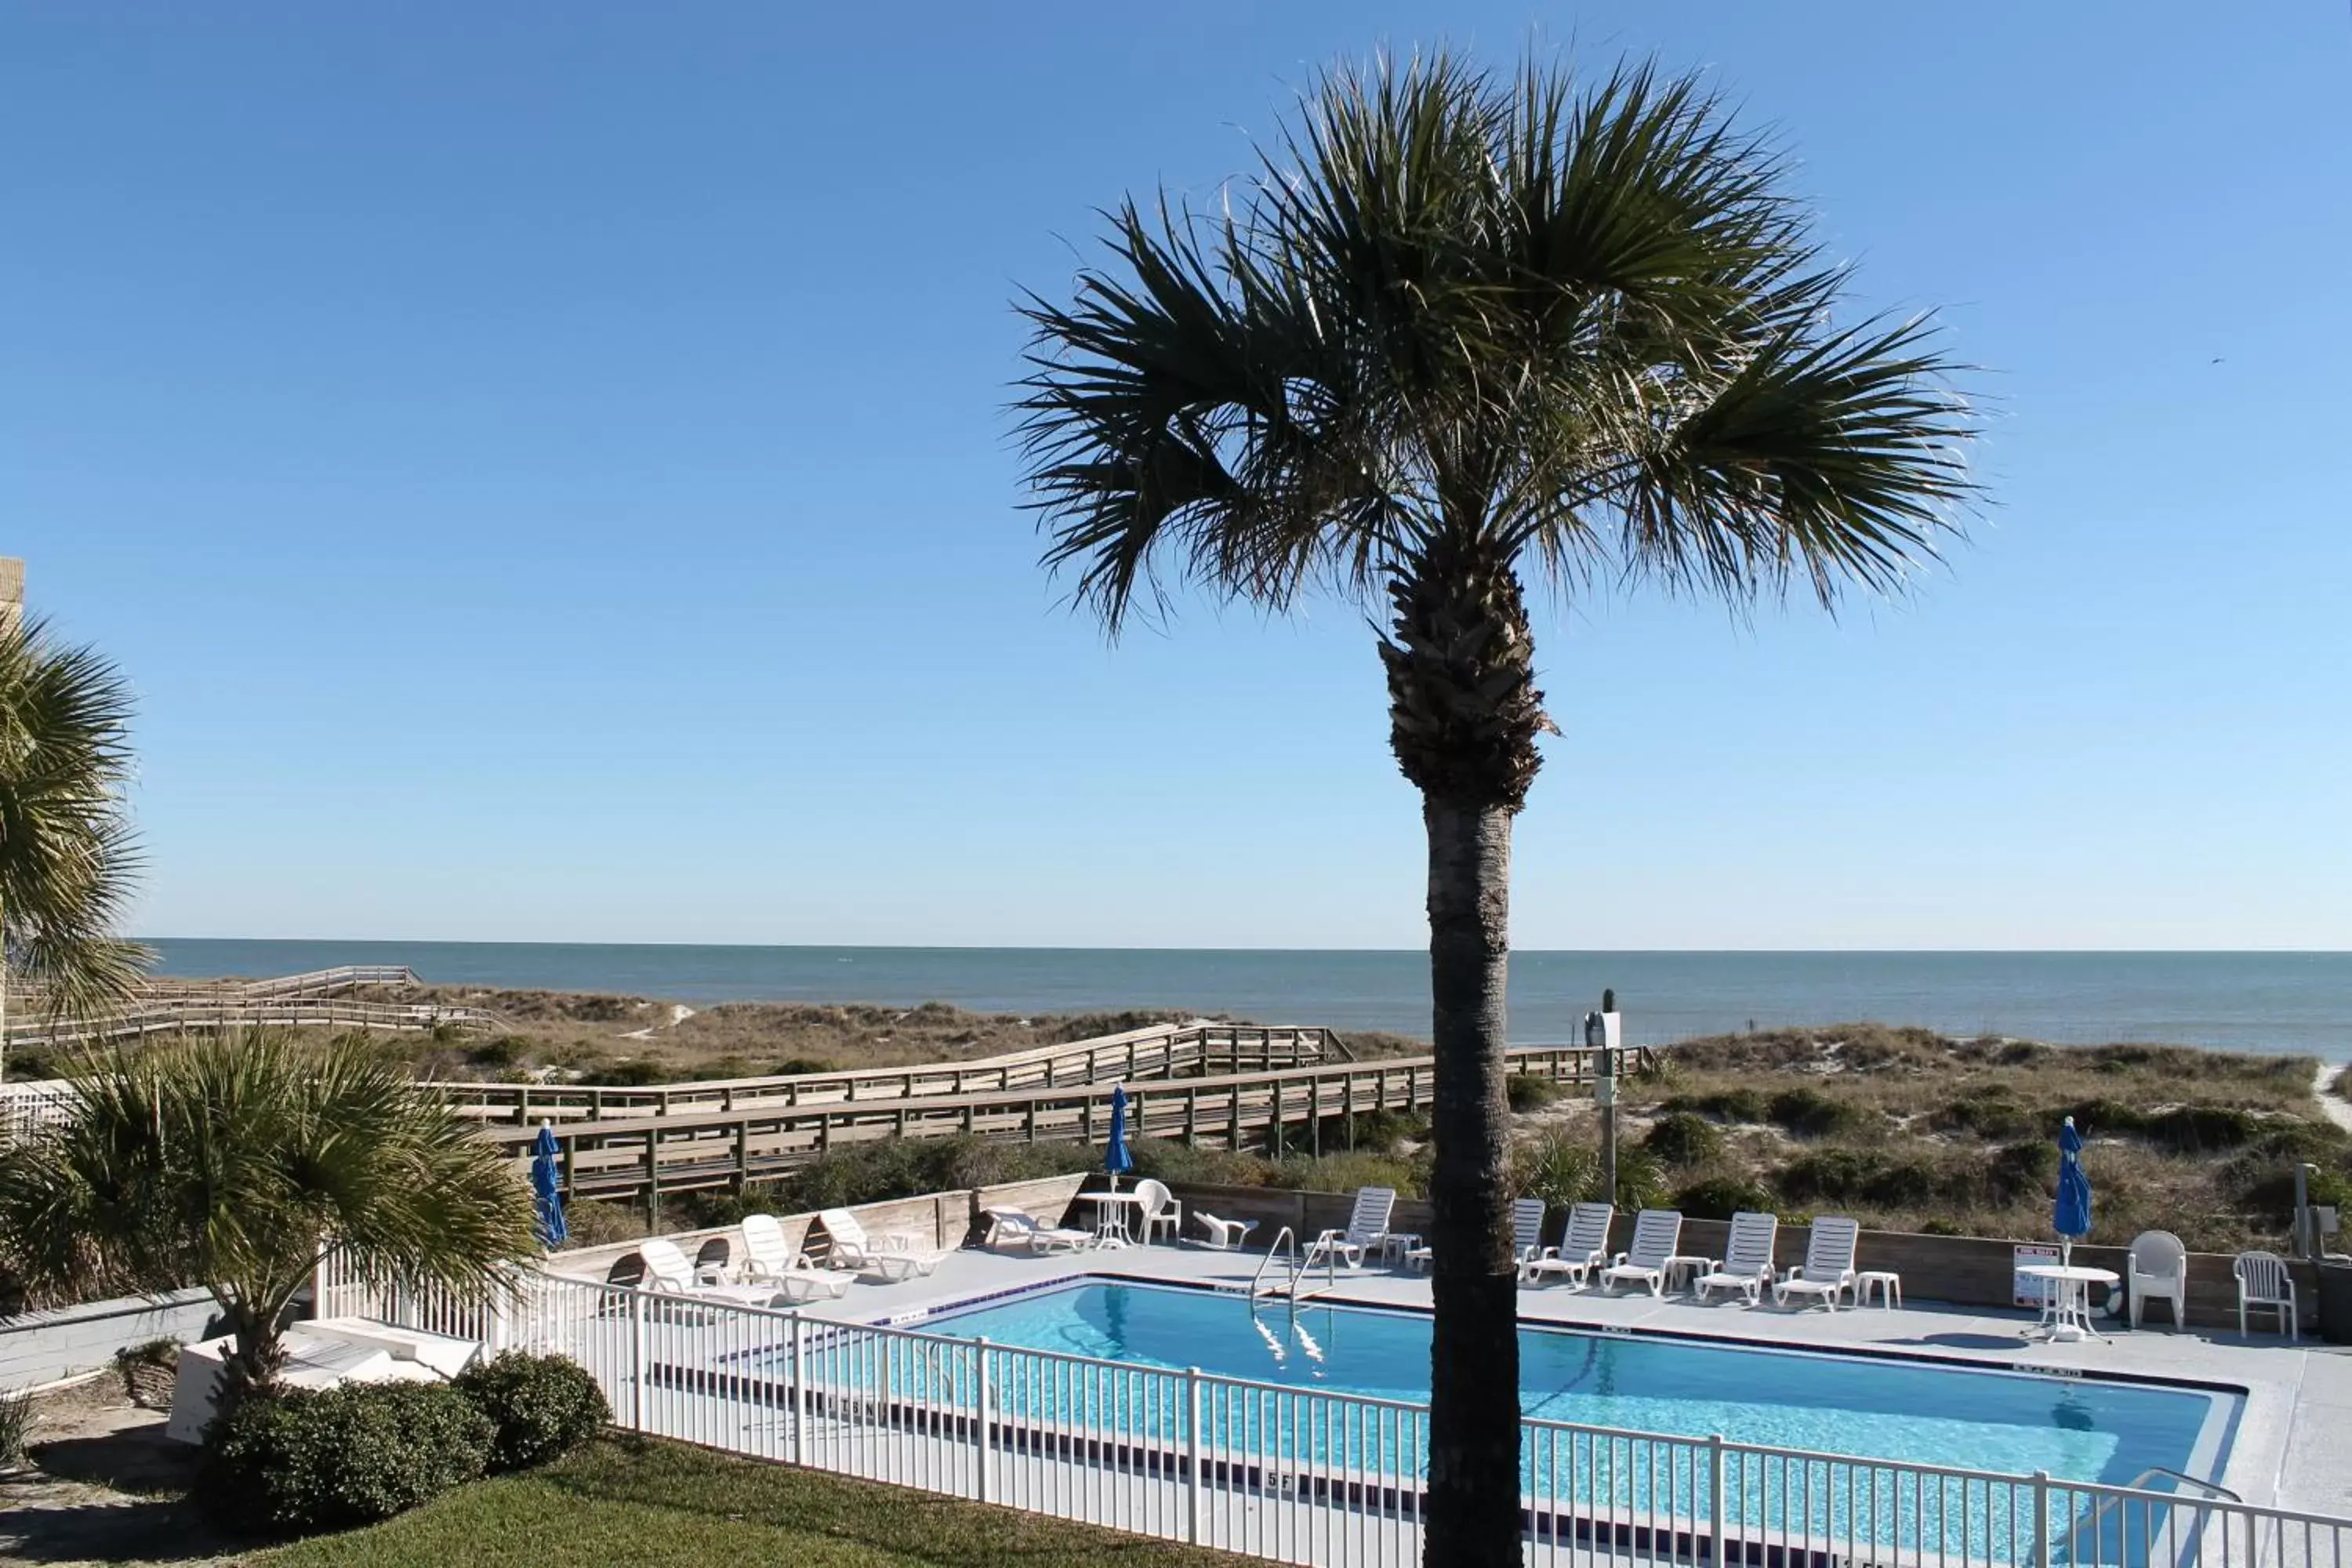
x: 1747, y: 1264
x: 1582, y: 1249
x: 2263, y: 1281
x: 2157, y: 1269
x: 1827, y: 1272
x: 1657, y: 1233
x: 1367, y: 1227
x: 1223, y: 1235
x: 1161, y: 1209
x: 1016, y: 1228
x: 770, y: 1259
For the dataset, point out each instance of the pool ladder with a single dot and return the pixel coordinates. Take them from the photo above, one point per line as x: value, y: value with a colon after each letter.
x: 1295, y: 1272
x: 2110, y: 1505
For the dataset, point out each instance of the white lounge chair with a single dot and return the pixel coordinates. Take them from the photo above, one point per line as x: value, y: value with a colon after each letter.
x: 1011, y: 1228
x: 1581, y: 1250
x: 2263, y: 1281
x: 769, y: 1258
x: 668, y: 1271
x: 2157, y: 1269
x: 1827, y: 1272
x: 1747, y: 1263
x: 1657, y: 1233
x: 886, y: 1258
x: 1367, y: 1227
x: 1527, y: 1235
x: 1223, y: 1235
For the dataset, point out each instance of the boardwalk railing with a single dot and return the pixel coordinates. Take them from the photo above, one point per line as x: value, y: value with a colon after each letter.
x: 201, y: 1016
x: 643, y: 1157
x: 1160, y: 1051
x: 1301, y: 1475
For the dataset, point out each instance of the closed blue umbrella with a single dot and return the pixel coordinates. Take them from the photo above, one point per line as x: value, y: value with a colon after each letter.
x: 2073, y: 1218
x: 1116, y: 1158
x: 546, y: 1192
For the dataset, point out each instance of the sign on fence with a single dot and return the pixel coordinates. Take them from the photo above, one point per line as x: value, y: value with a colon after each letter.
x: 2032, y: 1292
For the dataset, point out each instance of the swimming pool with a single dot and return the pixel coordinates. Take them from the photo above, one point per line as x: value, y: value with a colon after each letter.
x: 1964, y: 1416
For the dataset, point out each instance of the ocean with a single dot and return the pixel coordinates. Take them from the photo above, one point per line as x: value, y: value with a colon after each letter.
x: 2285, y: 1002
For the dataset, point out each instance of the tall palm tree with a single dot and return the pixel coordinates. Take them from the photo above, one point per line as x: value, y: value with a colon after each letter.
x: 235, y: 1164
x: 67, y: 854
x: 1461, y: 326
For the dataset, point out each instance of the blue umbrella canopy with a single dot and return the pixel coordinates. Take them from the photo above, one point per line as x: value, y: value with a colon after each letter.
x: 2073, y: 1216
x: 546, y: 1190
x: 1116, y: 1158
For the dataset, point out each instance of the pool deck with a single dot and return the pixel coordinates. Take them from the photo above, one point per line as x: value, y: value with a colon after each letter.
x: 2292, y: 1447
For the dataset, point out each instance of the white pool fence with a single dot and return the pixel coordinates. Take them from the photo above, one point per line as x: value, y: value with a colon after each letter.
x: 1301, y: 1475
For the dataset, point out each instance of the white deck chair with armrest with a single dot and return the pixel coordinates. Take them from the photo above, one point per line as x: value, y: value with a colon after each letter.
x: 2263, y: 1281
x: 1747, y: 1264
x: 1827, y: 1272
x: 668, y: 1271
x: 1009, y: 1228
x: 1527, y: 1235
x: 1657, y: 1233
x: 1367, y: 1227
x: 890, y: 1256
x: 769, y: 1258
x: 2157, y: 1269
x: 1161, y: 1209
x: 1582, y: 1249
x: 1223, y: 1235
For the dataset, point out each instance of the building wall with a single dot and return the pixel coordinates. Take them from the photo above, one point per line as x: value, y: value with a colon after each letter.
x: 43, y: 1347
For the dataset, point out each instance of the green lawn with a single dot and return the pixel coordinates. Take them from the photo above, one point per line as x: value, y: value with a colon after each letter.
x: 648, y: 1504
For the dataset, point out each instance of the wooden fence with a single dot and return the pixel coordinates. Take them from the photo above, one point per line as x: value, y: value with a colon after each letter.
x: 639, y: 1158
x: 200, y: 1015
x: 1160, y: 1051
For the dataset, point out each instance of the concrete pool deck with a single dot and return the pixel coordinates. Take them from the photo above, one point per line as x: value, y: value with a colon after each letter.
x: 2292, y: 1446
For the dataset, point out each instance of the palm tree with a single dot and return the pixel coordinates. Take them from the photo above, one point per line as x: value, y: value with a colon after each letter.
x: 1460, y: 326
x: 66, y: 855
x: 236, y: 1163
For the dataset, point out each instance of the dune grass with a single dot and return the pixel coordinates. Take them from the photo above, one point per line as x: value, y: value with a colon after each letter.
x: 653, y: 1504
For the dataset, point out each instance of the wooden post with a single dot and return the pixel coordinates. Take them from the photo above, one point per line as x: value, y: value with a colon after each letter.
x: 1192, y: 1118
x: 1315, y: 1116
x: 652, y: 1179
x: 1029, y: 1123
x: 1234, y: 1132
x: 742, y: 1154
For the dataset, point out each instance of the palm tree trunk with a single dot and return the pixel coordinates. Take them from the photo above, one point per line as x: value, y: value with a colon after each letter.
x: 1473, y: 1407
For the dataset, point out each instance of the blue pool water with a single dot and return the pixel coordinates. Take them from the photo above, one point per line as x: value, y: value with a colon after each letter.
x: 1969, y: 1417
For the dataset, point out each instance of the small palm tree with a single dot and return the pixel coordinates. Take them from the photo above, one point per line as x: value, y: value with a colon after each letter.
x: 1459, y: 327
x: 66, y: 855
x: 235, y: 1164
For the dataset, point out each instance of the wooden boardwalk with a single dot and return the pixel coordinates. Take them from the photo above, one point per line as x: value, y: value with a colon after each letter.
x: 1160, y: 1051
x: 322, y: 998
x: 640, y: 1158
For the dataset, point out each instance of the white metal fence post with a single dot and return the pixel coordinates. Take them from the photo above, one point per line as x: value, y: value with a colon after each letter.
x: 636, y: 1361
x: 987, y: 1480
x: 799, y: 1390
x: 1192, y: 1455
x: 1714, y: 1498
x: 2041, y: 1516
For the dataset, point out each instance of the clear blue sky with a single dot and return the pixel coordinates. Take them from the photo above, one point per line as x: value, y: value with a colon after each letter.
x: 544, y: 468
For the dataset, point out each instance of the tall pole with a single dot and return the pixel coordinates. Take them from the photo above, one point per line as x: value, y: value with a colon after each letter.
x: 1604, y: 1095
x: 12, y: 615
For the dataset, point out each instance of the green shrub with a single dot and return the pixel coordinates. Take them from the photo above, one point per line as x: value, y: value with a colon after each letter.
x: 1826, y: 1175
x: 1344, y: 1172
x: 1720, y: 1197
x: 1527, y: 1092
x: 2024, y: 1170
x: 798, y: 1066
x: 1808, y: 1114
x: 539, y: 1406
x: 504, y: 1051
x: 2197, y: 1129
x: 296, y: 1461
x: 1683, y: 1138
x: 2343, y: 1084
x: 1992, y: 1111
x: 16, y: 1419
x: 1941, y: 1226
x: 637, y: 1072
x: 1560, y: 1167
x: 1723, y: 1104
x: 1641, y: 1180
